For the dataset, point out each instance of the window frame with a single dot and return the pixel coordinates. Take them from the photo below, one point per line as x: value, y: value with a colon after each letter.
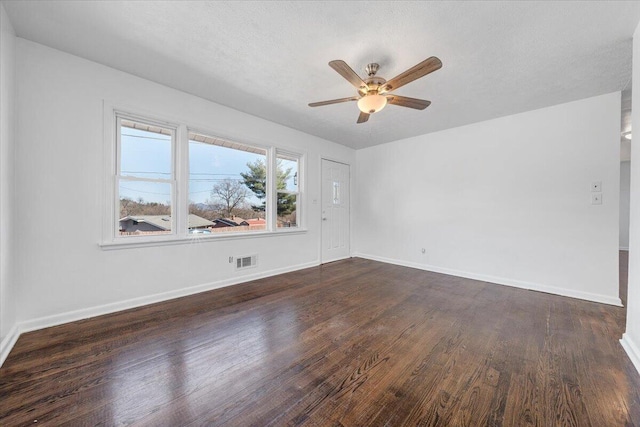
x: 180, y: 182
x: 298, y: 157
x: 172, y: 181
x: 269, y: 153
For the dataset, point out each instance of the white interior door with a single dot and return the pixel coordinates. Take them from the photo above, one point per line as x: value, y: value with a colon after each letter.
x: 335, y: 211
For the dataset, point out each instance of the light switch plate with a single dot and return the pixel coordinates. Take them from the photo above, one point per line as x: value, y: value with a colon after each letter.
x: 596, y: 186
x: 596, y: 199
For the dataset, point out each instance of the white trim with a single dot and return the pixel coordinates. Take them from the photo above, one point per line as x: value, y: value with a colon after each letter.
x: 142, y: 112
x: 331, y: 159
x: 271, y: 199
x: 633, y: 351
x: 181, y: 176
x: 112, y: 115
x: 172, y: 181
x: 203, y: 131
x: 11, y: 338
x: 140, y: 242
x: 72, y: 316
x: 8, y: 342
x: 300, y: 210
x: 108, y: 170
x: 587, y: 296
x: 340, y: 259
x: 623, y: 248
x: 350, y: 222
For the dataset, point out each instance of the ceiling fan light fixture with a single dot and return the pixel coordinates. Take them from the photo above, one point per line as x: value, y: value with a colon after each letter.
x: 372, y: 103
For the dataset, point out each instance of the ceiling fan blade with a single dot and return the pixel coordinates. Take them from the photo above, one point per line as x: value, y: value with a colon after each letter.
x: 363, y: 117
x: 405, y: 101
x: 334, y: 101
x: 347, y: 72
x: 427, y: 66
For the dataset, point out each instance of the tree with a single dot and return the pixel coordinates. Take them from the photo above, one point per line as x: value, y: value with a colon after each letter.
x: 140, y: 207
x: 232, y: 194
x: 286, y: 203
x: 256, y: 181
x: 126, y: 207
x: 209, y: 210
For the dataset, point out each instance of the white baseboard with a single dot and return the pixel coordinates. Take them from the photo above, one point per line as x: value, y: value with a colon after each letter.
x: 73, y: 316
x: 604, y: 299
x: 632, y: 350
x: 6, y: 345
x: 337, y: 259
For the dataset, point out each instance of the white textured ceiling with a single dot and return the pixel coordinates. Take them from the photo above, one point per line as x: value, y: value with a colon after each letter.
x: 270, y: 59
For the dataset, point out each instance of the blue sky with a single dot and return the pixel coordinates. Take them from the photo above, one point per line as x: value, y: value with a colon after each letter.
x: 148, y: 155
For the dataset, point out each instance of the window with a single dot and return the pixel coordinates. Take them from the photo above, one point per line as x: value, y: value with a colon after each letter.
x: 145, y: 178
x: 227, y: 184
x: 169, y: 182
x: 287, y: 179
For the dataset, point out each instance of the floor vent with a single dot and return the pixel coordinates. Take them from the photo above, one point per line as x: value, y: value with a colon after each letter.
x: 246, y: 262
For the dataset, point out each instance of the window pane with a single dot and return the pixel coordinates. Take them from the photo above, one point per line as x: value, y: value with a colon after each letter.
x: 287, y: 212
x: 145, y: 150
x: 227, y: 185
x: 287, y: 173
x: 145, y: 208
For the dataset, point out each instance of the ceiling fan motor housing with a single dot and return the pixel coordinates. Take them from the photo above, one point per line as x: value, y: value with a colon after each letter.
x: 373, y: 82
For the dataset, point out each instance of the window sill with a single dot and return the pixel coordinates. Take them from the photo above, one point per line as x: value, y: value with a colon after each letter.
x: 132, y: 242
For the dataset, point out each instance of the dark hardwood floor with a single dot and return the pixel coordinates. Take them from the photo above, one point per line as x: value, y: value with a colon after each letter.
x: 352, y: 343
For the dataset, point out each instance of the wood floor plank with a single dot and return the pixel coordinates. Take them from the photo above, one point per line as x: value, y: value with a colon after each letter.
x: 351, y: 343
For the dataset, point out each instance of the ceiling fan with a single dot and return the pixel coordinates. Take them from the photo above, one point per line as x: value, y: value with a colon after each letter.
x: 374, y: 91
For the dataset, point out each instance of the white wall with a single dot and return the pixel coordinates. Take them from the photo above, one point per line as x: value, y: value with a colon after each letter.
x: 62, y: 272
x: 7, y: 97
x: 625, y: 181
x: 631, y: 338
x: 506, y: 200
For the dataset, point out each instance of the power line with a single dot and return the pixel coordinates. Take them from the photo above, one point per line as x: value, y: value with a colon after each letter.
x: 162, y: 194
x: 158, y: 173
x: 206, y: 173
x: 168, y: 139
x: 147, y: 192
x: 214, y: 179
x: 191, y: 173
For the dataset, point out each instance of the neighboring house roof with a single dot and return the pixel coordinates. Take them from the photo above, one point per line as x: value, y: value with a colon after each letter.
x: 224, y: 222
x: 256, y: 221
x: 163, y: 222
x: 196, y: 221
x: 231, y: 222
